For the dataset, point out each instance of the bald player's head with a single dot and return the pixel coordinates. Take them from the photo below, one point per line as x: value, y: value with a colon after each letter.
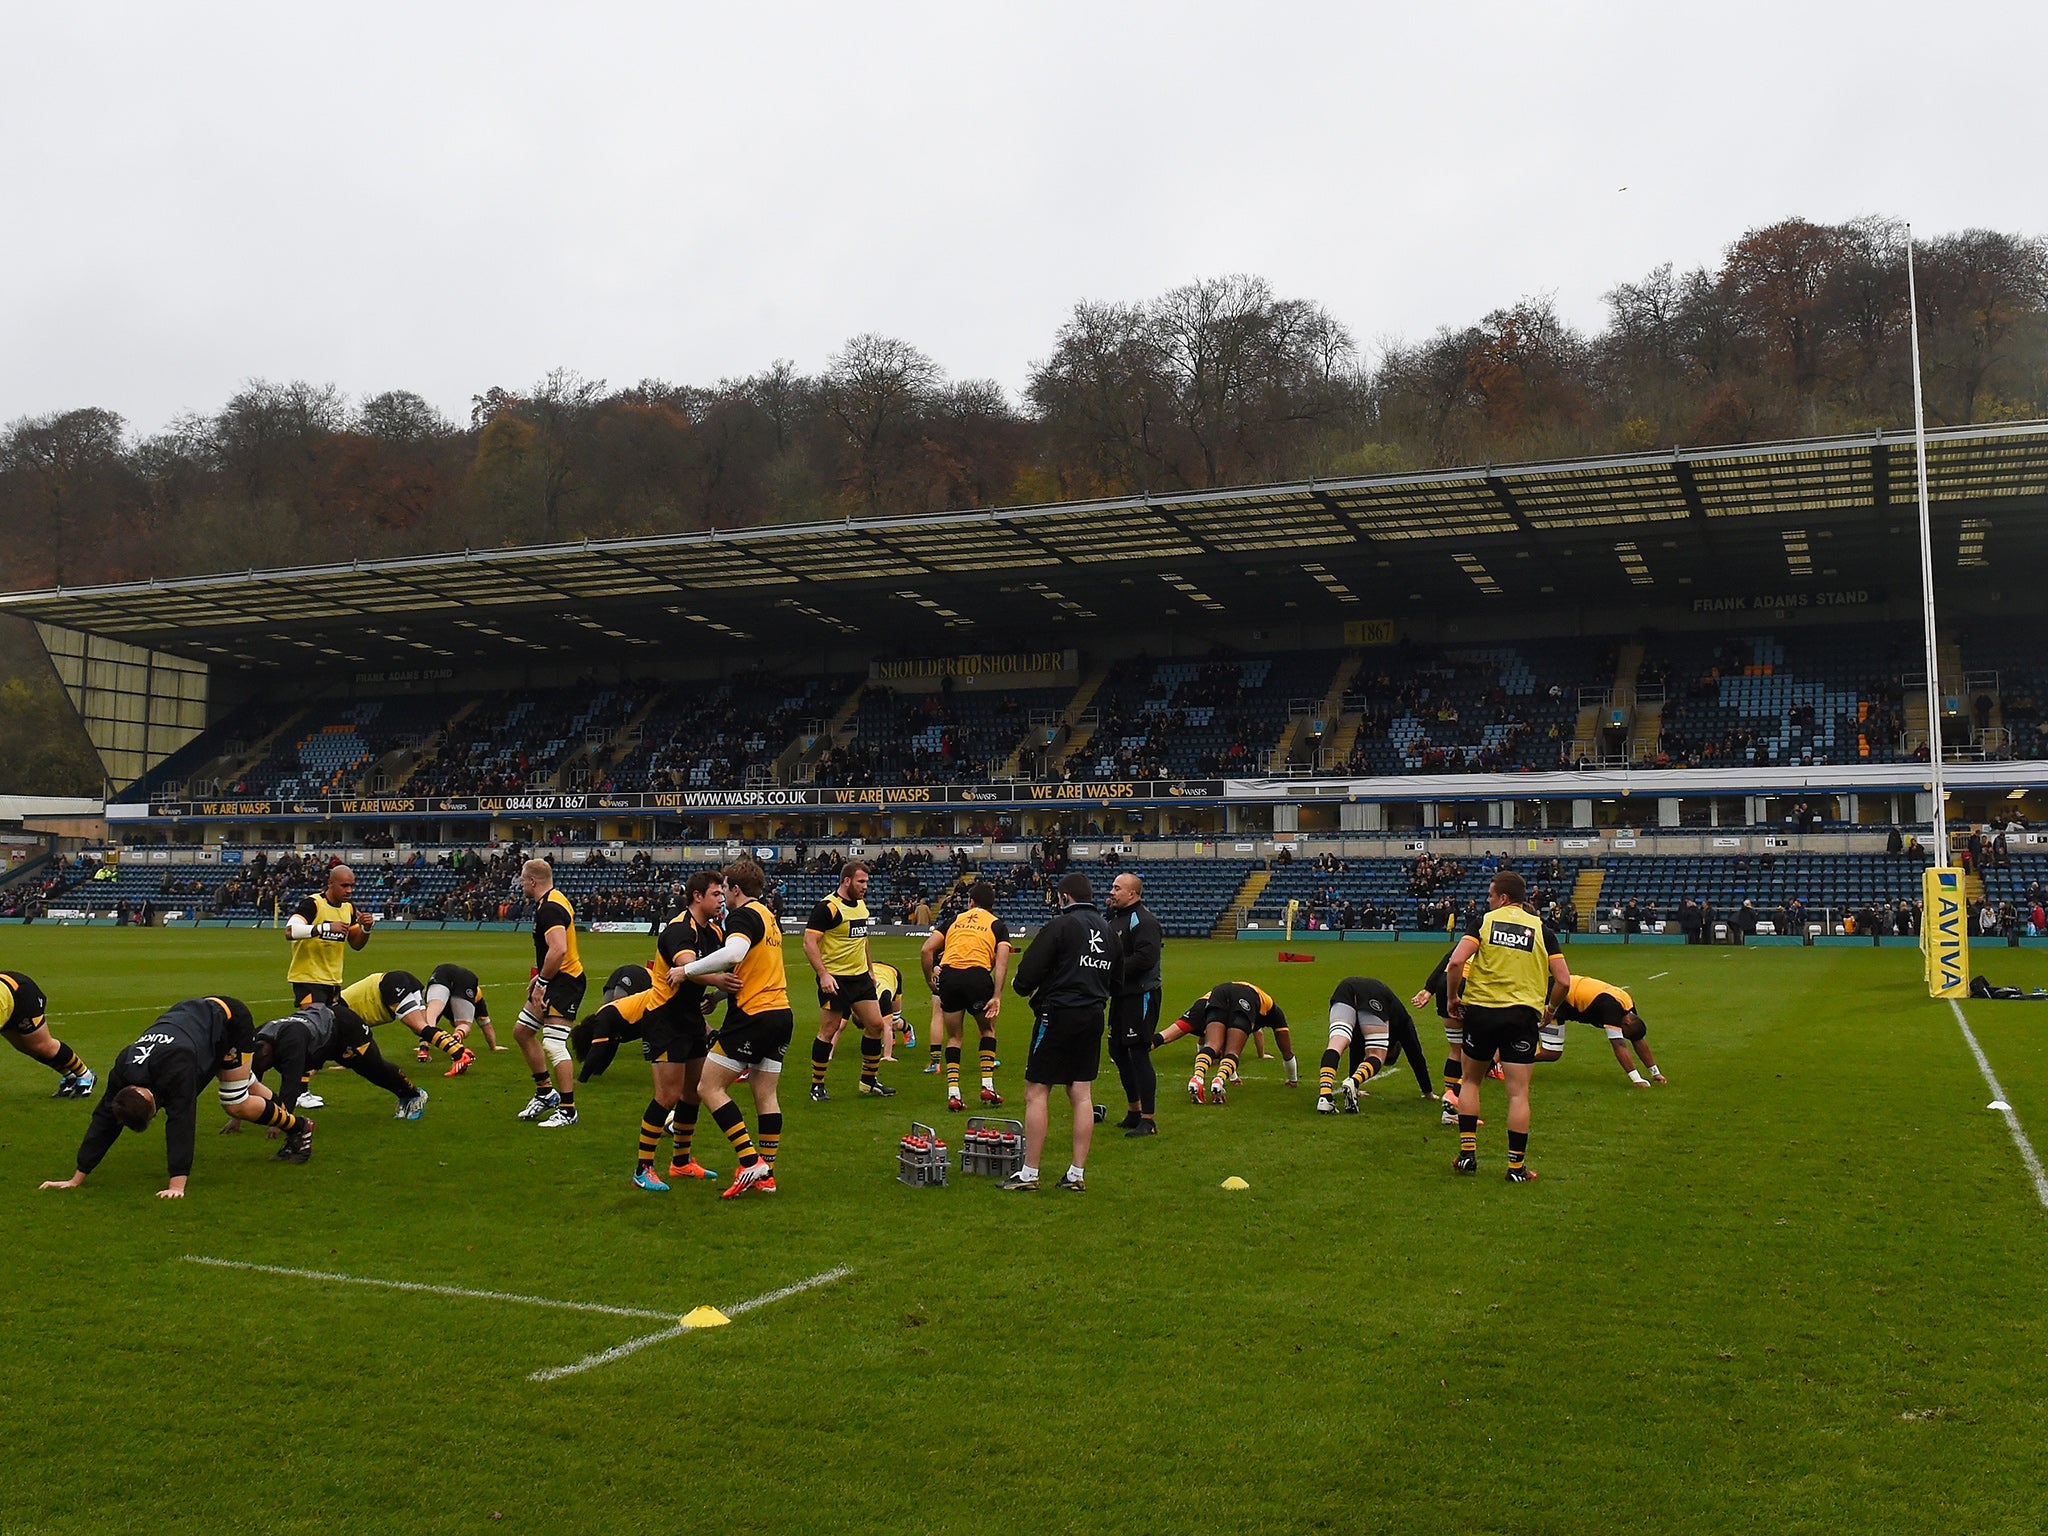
x: 340, y: 881
x: 1126, y: 890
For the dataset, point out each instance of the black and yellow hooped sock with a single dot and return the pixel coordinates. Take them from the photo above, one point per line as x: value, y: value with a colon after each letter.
x: 1368, y: 1069
x: 953, y: 1071
x: 443, y: 1042
x: 653, y: 1125
x: 1518, y: 1148
x: 66, y: 1062
x: 1226, y: 1069
x: 988, y: 1061
x: 936, y: 1048
x: 276, y: 1114
x: 729, y: 1120
x: 1204, y: 1060
x: 1468, y: 1134
x: 771, y: 1135
x: 569, y: 1101
x: 684, y: 1129
x: 1454, y: 1074
x: 821, y: 1058
x: 870, y: 1057
x: 1326, y: 1074
x: 542, y: 1082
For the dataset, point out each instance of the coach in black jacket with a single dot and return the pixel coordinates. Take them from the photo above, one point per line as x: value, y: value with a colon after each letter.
x: 1066, y: 974
x: 1134, y: 999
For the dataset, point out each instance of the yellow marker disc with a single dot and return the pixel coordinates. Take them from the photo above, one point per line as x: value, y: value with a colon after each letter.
x: 1234, y: 1182
x: 705, y: 1317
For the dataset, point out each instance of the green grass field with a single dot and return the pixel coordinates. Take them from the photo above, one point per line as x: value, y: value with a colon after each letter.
x: 1800, y: 1289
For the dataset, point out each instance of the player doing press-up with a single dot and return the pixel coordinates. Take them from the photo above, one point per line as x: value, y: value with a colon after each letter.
x: 191, y: 1044
x: 1369, y: 1021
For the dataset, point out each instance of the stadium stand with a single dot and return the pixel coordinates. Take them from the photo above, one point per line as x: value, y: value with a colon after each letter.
x: 1803, y: 697
x: 718, y: 737
x: 1485, y: 709
x: 952, y: 735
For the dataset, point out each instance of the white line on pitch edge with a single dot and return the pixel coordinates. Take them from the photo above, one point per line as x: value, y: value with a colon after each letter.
x: 1660, y: 973
x: 631, y: 1346
x: 2012, y: 1120
x: 431, y: 1290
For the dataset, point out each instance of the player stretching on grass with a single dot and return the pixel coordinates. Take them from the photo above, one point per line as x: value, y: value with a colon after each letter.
x: 189, y: 1045
x: 1368, y: 1021
x: 966, y: 960
x: 21, y: 1021
x: 301, y: 1043
x: 454, y: 992
x: 754, y: 1037
x: 1502, y: 979
x: 1600, y: 1003
x: 1227, y: 1017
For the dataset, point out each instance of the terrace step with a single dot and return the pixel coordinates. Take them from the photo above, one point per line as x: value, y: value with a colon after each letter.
x: 1586, y: 891
x: 1233, y: 916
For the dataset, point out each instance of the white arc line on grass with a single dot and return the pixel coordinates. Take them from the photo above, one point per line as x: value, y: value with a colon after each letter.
x: 631, y: 1346
x: 2012, y: 1120
x: 431, y: 1290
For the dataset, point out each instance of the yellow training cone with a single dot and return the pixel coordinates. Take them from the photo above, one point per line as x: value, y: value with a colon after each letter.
x: 1234, y: 1182
x: 705, y: 1317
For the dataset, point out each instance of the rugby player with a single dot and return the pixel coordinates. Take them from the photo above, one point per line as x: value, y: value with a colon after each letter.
x: 966, y: 960
x: 1600, y: 1003
x: 597, y: 1039
x: 318, y: 928
x: 552, y: 998
x: 300, y: 1043
x: 1369, y: 1022
x: 754, y: 1036
x: 385, y: 996
x: 1227, y: 1016
x: 1433, y: 992
x: 21, y: 1021
x: 836, y: 944
x: 1134, y: 1000
x: 189, y: 1045
x: 453, y: 991
x: 889, y: 998
x: 1503, y: 978
x: 672, y: 1035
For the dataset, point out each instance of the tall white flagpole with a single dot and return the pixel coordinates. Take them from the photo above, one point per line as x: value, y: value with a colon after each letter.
x: 1941, y: 851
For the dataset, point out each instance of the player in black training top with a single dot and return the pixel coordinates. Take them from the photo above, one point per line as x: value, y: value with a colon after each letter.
x: 1369, y: 1021
x: 301, y: 1043
x: 597, y: 1039
x: 189, y: 1046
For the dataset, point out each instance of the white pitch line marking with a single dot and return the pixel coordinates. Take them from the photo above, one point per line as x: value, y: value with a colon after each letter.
x: 2012, y: 1121
x: 1660, y: 973
x: 631, y: 1346
x: 431, y: 1290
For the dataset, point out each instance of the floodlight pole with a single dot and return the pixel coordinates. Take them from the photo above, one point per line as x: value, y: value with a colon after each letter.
x: 1941, y: 850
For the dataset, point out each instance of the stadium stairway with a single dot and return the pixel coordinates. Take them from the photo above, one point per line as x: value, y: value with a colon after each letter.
x: 1074, y: 735
x: 1300, y: 747
x: 227, y: 771
x: 1254, y: 887
x: 1586, y: 892
x: 801, y: 754
x: 426, y: 749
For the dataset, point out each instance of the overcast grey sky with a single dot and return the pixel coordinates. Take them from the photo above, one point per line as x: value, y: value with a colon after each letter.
x: 442, y: 197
